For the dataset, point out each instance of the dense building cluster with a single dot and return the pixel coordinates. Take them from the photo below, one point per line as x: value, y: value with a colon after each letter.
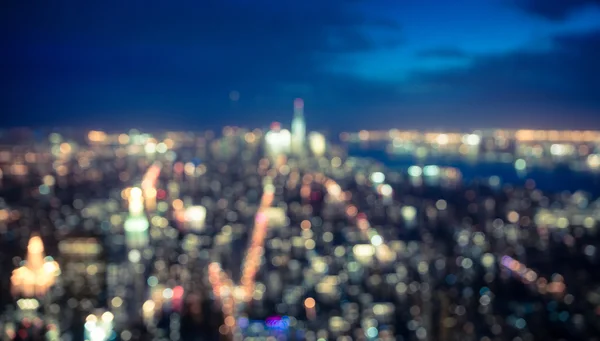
x: 271, y: 236
x: 579, y: 149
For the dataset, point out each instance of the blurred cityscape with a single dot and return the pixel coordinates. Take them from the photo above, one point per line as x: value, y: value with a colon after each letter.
x: 578, y: 149
x: 277, y: 234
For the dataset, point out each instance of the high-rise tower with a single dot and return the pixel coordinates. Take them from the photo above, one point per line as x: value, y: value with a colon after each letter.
x: 38, y: 273
x: 136, y: 225
x: 298, y: 127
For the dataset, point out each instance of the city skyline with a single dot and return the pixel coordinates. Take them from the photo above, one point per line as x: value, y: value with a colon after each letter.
x: 205, y: 237
x: 427, y: 64
x: 340, y: 170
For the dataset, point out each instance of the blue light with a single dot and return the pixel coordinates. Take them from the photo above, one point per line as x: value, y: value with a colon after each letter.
x: 44, y: 190
x: 451, y: 279
x: 243, y: 322
x: 520, y: 323
x: 432, y: 170
x: 372, y: 332
x: 152, y: 281
x: 563, y: 316
x: 277, y: 323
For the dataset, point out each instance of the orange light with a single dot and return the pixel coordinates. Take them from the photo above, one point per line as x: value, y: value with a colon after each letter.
x: 65, y: 148
x: 305, y: 224
x: 309, y: 303
x: 177, y: 204
x: 230, y: 321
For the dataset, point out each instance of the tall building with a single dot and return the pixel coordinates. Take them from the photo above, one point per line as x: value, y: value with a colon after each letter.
x: 136, y: 224
x: 38, y: 273
x: 298, y: 127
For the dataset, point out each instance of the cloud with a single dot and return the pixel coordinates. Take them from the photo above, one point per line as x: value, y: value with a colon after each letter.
x: 567, y: 75
x: 556, y: 10
x: 443, y: 53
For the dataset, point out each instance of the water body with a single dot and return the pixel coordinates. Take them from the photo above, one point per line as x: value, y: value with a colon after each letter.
x: 557, y: 179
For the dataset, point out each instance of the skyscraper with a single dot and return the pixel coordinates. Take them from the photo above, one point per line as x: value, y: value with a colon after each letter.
x: 298, y: 127
x: 136, y: 225
x: 38, y: 273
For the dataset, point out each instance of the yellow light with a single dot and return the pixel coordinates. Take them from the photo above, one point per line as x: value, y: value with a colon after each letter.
x: 148, y: 306
x: 107, y: 316
x: 116, y: 302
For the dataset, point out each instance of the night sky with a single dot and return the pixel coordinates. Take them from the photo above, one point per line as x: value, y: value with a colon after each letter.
x: 425, y: 64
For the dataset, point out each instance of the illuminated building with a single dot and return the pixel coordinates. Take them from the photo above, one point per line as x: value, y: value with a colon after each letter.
x: 136, y: 231
x: 136, y: 202
x: 136, y: 225
x: 149, y: 186
x: 317, y: 144
x: 298, y: 127
x: 38, y: 273
x: 278, y: 141
x: 80, y: 247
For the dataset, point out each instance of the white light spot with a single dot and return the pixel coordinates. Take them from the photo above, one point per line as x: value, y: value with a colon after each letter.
x: 408, y: 212
x: 386, y: 190
x: 415, y: 171
x: 432, y: 170
x: 441, y: 204
x: 472, y: 140
x: 442, y: 139
x: 377, y: 177
x: 134, y: 256
x: 168, y: 293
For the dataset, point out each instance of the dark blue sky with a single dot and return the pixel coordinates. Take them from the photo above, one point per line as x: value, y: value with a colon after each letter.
x: 357, y: 63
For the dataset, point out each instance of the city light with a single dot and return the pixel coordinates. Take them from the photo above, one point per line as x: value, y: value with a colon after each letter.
x: 214, y: 230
